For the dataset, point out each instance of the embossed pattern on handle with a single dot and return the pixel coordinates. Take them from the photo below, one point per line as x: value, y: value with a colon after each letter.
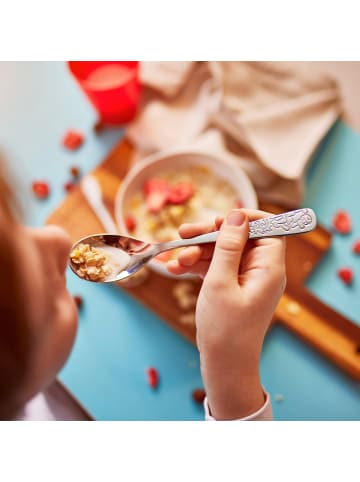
x: 292, y: 222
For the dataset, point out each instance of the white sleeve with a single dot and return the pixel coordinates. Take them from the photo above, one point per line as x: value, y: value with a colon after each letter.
x: 263, y: 414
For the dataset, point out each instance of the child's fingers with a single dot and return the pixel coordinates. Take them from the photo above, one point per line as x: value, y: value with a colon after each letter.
x: 190, y: 256
x: 218, y: 222
x: 200, y: 268
x: 174, y: 267
x: 193, y: 254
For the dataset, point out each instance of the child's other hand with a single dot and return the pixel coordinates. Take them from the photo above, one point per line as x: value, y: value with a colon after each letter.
x: 243, y: 282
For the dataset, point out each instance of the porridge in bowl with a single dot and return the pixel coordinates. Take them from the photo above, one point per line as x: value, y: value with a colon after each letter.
x: 172, y: 197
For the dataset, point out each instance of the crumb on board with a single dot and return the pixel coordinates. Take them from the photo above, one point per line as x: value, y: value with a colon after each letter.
x: 187, y: 318
x: 184, y: 295
x: 307, y: 266
x: 293, y: 308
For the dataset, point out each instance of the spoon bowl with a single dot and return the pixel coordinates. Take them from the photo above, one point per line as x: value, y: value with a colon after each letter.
x: 107, y: 258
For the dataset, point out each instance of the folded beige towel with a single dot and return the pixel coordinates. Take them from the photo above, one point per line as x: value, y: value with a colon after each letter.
x: 268, y: 117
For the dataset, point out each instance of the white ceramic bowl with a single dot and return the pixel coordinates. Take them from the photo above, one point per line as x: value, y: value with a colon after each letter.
x: 164, y: 161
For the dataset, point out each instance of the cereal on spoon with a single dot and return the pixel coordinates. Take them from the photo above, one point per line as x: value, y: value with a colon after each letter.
x: 91, y: 263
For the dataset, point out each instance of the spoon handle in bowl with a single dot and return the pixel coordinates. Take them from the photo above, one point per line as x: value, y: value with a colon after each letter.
x: 299, y: 221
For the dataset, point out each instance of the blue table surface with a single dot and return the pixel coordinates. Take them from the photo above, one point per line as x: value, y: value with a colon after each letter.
x: 118, y: 338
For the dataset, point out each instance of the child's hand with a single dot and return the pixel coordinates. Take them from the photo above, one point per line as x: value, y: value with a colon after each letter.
x: 243, y: 282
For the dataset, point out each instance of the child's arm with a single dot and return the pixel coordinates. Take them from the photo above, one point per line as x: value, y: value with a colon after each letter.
x: 243, y: 282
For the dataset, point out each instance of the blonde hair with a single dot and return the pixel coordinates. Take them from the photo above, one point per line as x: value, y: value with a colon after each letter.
x: 14, y: 328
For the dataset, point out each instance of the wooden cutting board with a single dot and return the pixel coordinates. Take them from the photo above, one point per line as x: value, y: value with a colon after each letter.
x: 329, y: 332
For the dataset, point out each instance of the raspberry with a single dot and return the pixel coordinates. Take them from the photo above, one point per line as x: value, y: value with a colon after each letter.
x: 68, y: 186
x: 198, y: 395
x: 78, y: 300
x: 72, y: 139
x: 356, y: 247
x: 152, y: 377
x: 41, y: 189
x: 342, y: 222
x: 346, y: 275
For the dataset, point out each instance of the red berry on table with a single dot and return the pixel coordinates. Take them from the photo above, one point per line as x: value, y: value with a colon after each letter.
x: 152, y: 377
x: 78, y: 300
x: 72, y: 139
x: 41, y: 189
x: 346, y: 275
x: 181, y: 192
x: 68, y: 186
x: 342, y: 222
x: 198, y: 395
x: 356, y: 247
x: 130, y: 223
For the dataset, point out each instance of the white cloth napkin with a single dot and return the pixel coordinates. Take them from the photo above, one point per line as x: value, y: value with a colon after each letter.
x: 268, y: 117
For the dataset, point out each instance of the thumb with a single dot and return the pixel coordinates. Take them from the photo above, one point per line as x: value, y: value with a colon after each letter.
x: 229, y: 246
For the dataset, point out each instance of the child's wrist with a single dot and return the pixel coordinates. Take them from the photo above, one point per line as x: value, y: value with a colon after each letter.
x: 233, y: 386
x: 243, y: 360
x: 233, y: 398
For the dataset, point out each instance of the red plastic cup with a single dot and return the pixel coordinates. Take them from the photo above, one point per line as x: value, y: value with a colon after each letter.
x: 113, y: 88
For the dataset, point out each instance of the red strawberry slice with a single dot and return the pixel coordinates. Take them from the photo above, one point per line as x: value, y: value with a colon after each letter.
x: 342, y: 222
x: 356, y: 247
x: 155, y: 184
x: 156, y: 194
x: 68, y: 186
x: 156, y: 201
x: 346, y: 275
x: 181, y: 192
x: 152, y: 377
x: 41, y: 189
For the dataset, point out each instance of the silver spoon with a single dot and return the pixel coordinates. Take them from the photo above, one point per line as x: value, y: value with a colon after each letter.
x: 112, y: 257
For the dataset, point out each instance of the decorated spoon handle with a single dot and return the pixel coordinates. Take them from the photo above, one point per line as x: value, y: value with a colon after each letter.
x: 292, y: 222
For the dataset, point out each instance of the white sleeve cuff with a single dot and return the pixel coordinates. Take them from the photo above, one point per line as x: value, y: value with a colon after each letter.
x: 262, y: 415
